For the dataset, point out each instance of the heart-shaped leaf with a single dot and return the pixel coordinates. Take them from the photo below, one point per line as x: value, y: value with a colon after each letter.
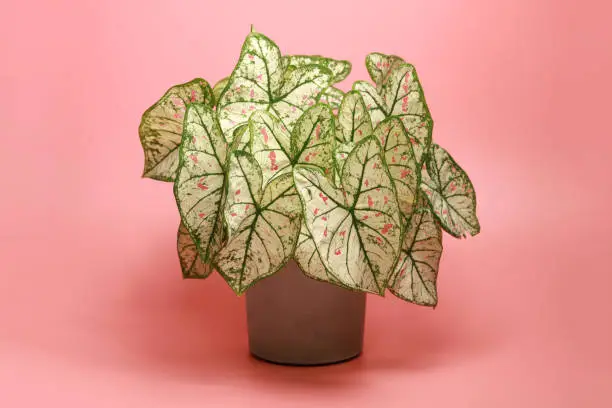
x: 400, y: 161
x: 450, y: 193
x: 300, y: 90
x: 353, y: 119
x: 191, y: 263
x: 399, y: 94
x: 263, y: 222
x: 312, y: 140
x: 270, y: 145
x: 417, y: 268
x: 161, y: 127
x: 260, y: 82
x: 380, y: 65
x: 340, y: 69
x: 356, y: 228
x: 200, y: 184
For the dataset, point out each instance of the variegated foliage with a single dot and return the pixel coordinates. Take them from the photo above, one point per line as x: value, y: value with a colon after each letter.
x: 274, y: 162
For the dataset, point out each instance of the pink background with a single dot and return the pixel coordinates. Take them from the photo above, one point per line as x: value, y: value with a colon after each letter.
x: 93, y: 310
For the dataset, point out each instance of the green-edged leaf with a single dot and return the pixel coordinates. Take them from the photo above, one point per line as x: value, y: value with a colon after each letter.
x: 312, y: 140
x: 219, y: 87
x: 358, y: 241
x: 417, y: 268
x: 403, y: 97
x: 199, y: 186
x: 380, y: 65
x: 400, y: 161
x: 398, y: 93
x: 331, y: 96
x: 161, y: 127
x: 450, y: 193
x: 300, y: 90
x: 256, y: 78
x: 373, y: 101
x: 191, y: 264
x: 354, y: 123
x: 264, y: 224
x: 340, y: 69
x: 309, y: 260
x: 260, y: 82
x: 270, y: 145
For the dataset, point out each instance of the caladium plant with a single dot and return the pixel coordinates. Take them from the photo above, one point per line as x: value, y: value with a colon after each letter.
x: 276, y: 163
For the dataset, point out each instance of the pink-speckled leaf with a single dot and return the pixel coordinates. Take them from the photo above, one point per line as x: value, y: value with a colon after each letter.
x: 450, y: 193
x: 270, y: 145
x: 264, y: 225
x: 354, y: 123
x: 417, y: 268
x: 400, y: 160
x: 261, y: 81
x: 356, y: 228
x: 379, y: 66
x: 191, y: 263
x: 312, y: 140
x: 161, y: 127
x: 200, y: 184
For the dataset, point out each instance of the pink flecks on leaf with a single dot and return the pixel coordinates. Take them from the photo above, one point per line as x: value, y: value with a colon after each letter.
x: 404, y: 173
x: 379, y: 240
x: 177, y: 115
x: 342, y: 233
x: 201, y: 215
x: 324, y: 198
x: 404, y: 158
x: 325, y: 232
x: 194, y: 158
x: 386, y: 199
x: 365, y: 217
x: 413, y: 141
x: 293, y: 109
x: 338, y: 252
x: 386, y: 228
x: 393, y: 159
x: 264, y: 133
x: 360, y: 132
x: 324, y: 218
x: 237, y: 192
x: 370, y: 201
x: 259, y: 77
x: 193, y: 95
x: 252, y: 94
x: 272, y: 157
x: 233, y: 214
x: 428, y: 192
x: 318, y: 131
x: 246, y: 208
x: 316, y: 211
x: 445, y: 211
x: 378, y: 214
x: 251, y: 57
x: 366, y: 182
x: 403, y: 272
x: 202, y: 186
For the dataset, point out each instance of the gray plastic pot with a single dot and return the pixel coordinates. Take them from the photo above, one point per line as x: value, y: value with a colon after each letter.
x: 296, y: 320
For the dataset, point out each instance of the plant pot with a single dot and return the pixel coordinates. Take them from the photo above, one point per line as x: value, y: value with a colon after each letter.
x: 296, y: 320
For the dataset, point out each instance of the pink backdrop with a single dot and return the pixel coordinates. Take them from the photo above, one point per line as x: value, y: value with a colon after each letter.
x: 93, y: 311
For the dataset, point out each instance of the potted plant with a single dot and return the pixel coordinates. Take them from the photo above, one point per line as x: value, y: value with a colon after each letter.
x: 306, y: 197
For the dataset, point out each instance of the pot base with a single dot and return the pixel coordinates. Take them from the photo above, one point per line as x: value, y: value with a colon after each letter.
x: 296, y: 320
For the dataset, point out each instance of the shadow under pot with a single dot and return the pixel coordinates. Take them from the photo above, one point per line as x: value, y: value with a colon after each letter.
x: 296, y: 320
